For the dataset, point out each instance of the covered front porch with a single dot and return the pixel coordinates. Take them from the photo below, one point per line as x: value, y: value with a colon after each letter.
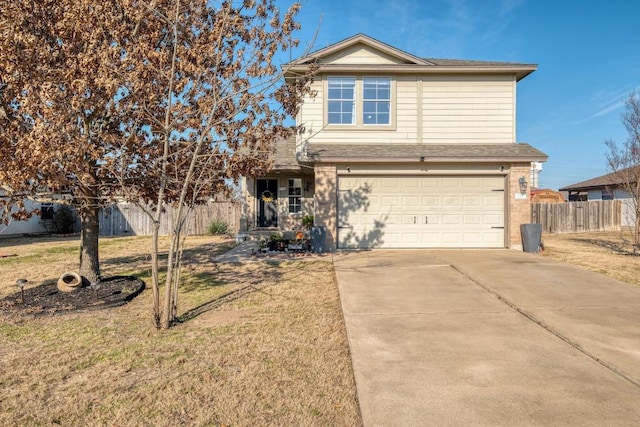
x: 278, y: 201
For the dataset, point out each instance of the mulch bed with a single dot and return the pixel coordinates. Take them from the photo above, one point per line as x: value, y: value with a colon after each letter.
x: 46, y: 299
x: 287, y: 255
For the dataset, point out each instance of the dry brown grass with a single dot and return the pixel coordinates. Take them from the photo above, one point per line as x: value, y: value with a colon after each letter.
x: 608, y: 253
x: 261, y: 344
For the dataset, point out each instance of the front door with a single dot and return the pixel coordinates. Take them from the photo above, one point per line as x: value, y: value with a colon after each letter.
x: 267, y: 193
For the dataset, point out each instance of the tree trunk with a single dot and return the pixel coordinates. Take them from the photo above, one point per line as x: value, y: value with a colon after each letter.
x: 89, y: 258
x: 154, y: 274
x: 167, y: 310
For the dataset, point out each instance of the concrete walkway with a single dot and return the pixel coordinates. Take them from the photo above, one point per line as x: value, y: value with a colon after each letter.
x: 491, y: 337
x: 240, y: 253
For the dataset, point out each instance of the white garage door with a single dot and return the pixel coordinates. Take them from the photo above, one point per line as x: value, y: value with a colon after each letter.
x: 421, y: 212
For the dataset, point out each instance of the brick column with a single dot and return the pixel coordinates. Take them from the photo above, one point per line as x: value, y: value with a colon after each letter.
x: 519, y: 205
x: 325, y: 200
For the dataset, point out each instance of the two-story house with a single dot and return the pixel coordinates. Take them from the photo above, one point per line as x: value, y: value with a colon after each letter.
x: 401, y: 152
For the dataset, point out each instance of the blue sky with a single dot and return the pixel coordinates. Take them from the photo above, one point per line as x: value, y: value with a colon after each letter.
x: 588, y: 56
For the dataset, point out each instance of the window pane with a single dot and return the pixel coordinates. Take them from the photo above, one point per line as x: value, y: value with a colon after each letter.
x: 369, y: 93
x: 369, y: 107
x: 334, y: 93
x: 376, y: 106
x: 334, y: 117
x: 341, y: 100
x: 295, y: 191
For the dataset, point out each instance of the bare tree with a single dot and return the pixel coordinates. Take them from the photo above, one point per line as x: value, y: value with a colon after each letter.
x: 624, y: 160
x: 218, y: 103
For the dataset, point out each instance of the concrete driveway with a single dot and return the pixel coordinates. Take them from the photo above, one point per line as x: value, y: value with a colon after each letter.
x: 489, y: 337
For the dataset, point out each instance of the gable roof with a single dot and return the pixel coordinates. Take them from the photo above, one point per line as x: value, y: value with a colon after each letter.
x: 407, y: 63
x: 364, y: 40
x: 612, y: 179
x: 434, y: 153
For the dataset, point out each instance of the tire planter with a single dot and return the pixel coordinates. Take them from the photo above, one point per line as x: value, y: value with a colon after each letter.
x: 69, y: 282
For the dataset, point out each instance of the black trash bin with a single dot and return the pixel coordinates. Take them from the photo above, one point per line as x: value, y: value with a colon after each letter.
x: 531, y: 237
x: 319, y: 239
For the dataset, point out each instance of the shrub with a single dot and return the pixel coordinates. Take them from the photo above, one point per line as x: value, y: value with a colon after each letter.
x: 275, y: 236
x: 307, y: 221
x: 62, y: 220
x: 218, y: 227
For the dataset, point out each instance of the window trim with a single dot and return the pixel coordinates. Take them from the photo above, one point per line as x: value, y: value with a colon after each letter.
x: 293, y: 197
x: 359, y: 124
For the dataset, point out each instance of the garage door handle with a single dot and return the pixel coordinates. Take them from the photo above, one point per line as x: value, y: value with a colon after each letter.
x: 501, y: 228
x: 426, y: 220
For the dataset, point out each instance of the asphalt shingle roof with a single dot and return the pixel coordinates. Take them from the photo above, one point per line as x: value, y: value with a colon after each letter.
x: 609, y: 180
x: 284, y: 156
x: 425, y: 152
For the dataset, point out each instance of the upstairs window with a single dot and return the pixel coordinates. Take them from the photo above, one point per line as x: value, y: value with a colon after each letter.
x: 295, y: 195
x: 376, y: 100
x: 341, y: 100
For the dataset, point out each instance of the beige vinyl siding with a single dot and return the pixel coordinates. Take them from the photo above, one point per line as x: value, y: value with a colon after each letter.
x: 311, y: 115
x: 406, y: 118
x: 468, y: 109
x: 360, y: 54
x: 453, y: 109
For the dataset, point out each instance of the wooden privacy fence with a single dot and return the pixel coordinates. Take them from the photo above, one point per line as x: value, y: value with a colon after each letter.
x: 576, y: 217
x: 126, y: 219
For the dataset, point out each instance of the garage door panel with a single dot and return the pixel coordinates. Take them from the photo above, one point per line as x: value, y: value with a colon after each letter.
x: 432, y: 219
x: 410, y: 219
x: 472, y: 219
x: 493, y: 220
x: 451, y: 202
x: 390, y: 201
x: 422, y: 212
x: 472, y: 238
x: 389, y: 185
x: 374, y: 203
x: 472, y: 201
x: 451, y: 183
x: 431, y: 202
x: 411, y: 202
x: 452, y: 238
x: 453, y: 219
x: 492, y: 201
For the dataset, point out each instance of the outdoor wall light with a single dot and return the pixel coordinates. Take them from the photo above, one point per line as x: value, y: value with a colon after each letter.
x: 348, y: 169
x: 523, y: 185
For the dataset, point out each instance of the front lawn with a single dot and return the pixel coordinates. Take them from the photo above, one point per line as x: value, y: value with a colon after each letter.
x: 261, y: 343
x: 610, y: 253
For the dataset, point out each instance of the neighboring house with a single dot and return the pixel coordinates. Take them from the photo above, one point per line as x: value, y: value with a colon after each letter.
x: 401, y: 152
x: 604, y: 187
x: 34, y: 225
